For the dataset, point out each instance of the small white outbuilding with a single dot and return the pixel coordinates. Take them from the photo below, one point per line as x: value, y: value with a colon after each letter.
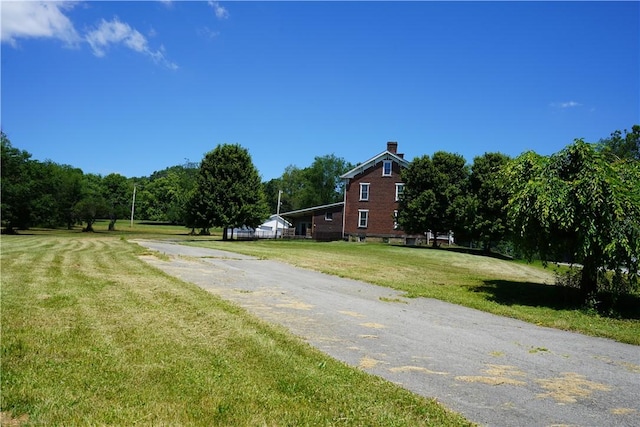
x: 273, y: 227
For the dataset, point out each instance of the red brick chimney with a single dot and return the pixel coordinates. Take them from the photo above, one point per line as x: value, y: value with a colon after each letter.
x: 392, y: 147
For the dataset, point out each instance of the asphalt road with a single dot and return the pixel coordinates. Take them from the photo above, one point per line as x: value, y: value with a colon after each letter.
x: 495, y: 371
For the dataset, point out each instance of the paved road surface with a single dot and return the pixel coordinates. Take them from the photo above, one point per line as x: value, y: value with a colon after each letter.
x: 495, y: 371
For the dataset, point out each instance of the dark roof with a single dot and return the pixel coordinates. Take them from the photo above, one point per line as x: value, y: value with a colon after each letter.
x: 303, y: 212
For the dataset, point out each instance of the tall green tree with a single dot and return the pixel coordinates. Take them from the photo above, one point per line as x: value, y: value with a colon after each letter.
x: 316, y: 185
x: 622, y: 146
x: 433, y: 189
x: 485, y: 211
x: 55, y: 190
x: 117, y: 193
x: 195, y: 215
x: 164, y: 195
x: 92, y: 205
x: 37, y: 193
x: 271, y: 189
x: 294, y: 187
x: 578, y: 205
x: 17, y: 186
x: 323, y: 184
x: 69, y: 192
x: 229, y: 192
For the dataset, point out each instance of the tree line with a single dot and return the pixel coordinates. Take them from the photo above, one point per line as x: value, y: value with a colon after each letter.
x: 580, y: 205
x: 223, y: 190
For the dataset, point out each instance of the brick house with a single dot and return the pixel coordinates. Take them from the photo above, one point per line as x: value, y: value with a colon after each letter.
x: 370, y: 206
x: 372, y: 191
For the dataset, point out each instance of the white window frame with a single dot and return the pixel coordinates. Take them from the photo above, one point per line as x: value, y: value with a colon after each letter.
x: 368, y: 187
x: 328, y: 216
x: 395, y: 220
x: 384, y: 167
x: 363, y: 214
x: 399, y: 185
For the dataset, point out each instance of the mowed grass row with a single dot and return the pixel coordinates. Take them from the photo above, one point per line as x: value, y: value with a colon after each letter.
x: 506, y: 288
x: 91, y: 335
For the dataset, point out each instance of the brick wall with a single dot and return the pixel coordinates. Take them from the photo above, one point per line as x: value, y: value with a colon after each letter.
x: 381, y: 203
x: 327, y: 229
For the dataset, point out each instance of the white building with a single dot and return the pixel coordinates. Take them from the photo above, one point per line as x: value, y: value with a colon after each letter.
x: 273, y: 227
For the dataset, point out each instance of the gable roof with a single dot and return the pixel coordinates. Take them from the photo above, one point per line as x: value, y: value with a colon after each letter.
x: 277, y: 218
x: 385, y: 155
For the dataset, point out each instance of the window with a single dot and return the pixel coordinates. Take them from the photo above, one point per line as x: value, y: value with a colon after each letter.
x: 386, y: 168
x: 364, y: 191
x: 399, y: 190
x: 328, y: 216
x: 395, y: 220
x: 363, y: 218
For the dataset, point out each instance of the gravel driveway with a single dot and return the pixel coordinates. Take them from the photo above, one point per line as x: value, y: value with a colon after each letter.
x: 495, y: 371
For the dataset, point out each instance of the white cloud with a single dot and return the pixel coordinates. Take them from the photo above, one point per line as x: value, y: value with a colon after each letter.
x: 568, y: 104
x: 39, y: 19
x: 221, y: 12
x: 208, y: 33
x: 115, y: 32
x: 36, y: 19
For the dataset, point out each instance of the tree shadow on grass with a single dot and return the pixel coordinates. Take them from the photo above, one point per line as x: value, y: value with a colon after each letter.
x: 506, y: 292
x: 460, y: 250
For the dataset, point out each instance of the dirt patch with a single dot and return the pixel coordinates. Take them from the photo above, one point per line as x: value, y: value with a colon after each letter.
x: 622, y: 411
x: 417, y: 369
x: 631, y: 367
x: 296, y: 305
x: 368, y: 363
x: 496, y: 375
x: 569, y: 387
x: 6, y: 419
x: 373, y: 325
x: 504, y: 371
x: 351, y: 313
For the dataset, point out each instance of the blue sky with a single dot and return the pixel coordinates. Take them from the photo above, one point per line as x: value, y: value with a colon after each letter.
x: 134, y: 87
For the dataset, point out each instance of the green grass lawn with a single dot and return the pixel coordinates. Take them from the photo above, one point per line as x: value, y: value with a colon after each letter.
x: 91, y: 335
x: 502, y: 287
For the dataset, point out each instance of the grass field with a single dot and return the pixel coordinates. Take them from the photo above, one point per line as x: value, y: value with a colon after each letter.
x: 506, y: 288
x: 91, y: 335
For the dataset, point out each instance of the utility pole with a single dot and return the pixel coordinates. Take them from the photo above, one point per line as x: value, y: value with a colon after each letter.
x: 133, y: 205
x: 278, y: 213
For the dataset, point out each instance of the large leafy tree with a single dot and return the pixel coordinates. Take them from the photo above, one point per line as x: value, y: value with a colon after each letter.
x: 37, y: 193
x: 271, y: 189
x: 229, y: 192
x: 117, y: 194
x: 69, y: 192
x: 165, y: 194
x: 92, y: 205
x: 316, y: 185
x: 55, y: 191
x: 17, y: 186
x: 195, y: 215
x: 579, y: 206
x: 323, y: 183
x: 433, y: 189
x: 485, y: 205
x: 294, y: 187
x: 622, y: 146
